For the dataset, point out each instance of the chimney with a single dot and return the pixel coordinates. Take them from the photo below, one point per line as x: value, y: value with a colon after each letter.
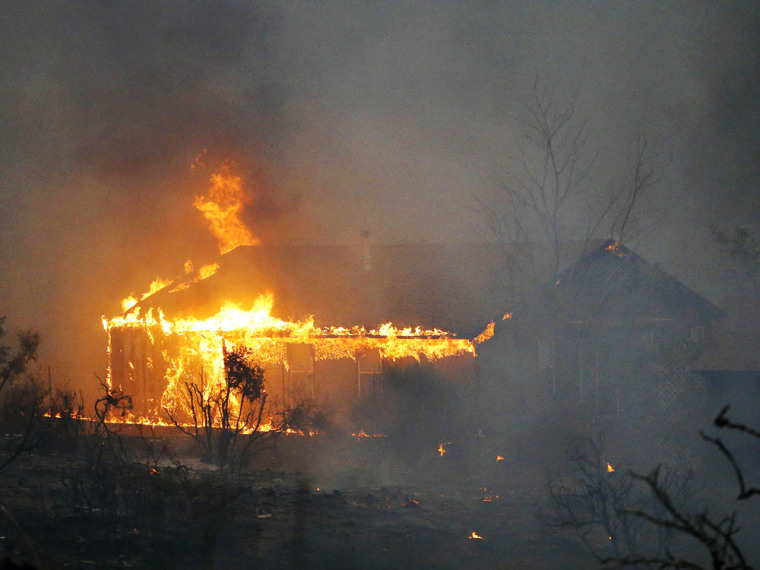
x: 366, y: 261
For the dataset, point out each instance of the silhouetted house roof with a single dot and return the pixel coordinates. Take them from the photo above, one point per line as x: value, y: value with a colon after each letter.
x: 450, y: 287
x: 612, y: 284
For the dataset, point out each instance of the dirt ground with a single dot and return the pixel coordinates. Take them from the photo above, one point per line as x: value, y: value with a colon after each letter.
x: 309, y: 502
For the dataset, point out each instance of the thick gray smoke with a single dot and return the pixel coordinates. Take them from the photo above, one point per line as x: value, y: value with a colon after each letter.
x: 343, y: 116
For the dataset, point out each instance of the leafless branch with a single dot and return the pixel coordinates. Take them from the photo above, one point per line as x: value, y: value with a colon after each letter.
x: 546, y: 197
x: 646, y: 174
x: 717, y: 536
x: 722, y: 421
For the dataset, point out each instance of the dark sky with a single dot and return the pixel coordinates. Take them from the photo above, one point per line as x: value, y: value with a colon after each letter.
x: 342, y: 116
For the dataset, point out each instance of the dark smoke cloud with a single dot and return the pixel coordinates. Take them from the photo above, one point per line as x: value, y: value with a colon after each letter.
x: 342, y: 115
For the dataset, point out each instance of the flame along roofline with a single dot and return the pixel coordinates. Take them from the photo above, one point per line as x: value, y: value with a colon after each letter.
x: 273, y: 333
x: 408, y: 285
x: 270, y: 328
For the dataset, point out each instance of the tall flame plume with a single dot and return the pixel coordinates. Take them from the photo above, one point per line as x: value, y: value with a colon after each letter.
x: 226, y: 199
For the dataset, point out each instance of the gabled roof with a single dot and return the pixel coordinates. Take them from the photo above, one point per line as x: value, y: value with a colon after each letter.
x: 449, y: 287
x: 612, y: 283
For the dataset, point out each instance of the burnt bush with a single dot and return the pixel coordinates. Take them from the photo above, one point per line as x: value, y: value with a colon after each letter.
x: 597, y: 501
x: 14, y: 361
x: 20, y: 405
x: 21, y: 396
x: 225, y: 420
x: 66, y: 425
x: 306, y: 418
x: 711, y: 539
x: 21, y: 421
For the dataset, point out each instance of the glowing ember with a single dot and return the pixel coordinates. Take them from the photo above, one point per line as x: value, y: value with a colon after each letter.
x: 499, y: 458
x: 363, y: 434
x: 614, y: 247
x: 610, y: 469
x: 441, y: 449
x: 410, y: 502
x: 475, y: 535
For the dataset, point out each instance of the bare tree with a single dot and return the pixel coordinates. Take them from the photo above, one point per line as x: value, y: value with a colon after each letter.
x: 645, y: 174
x: 551, y: 197
x: 599, y: 501
x: 722, y: 421
x: 715, y: 533
x: 114, y: 404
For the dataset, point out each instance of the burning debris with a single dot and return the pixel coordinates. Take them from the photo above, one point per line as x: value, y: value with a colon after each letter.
x: 614, y: 247
x: 411, y: 503
x: 488, y: 495
x: 364, y: 435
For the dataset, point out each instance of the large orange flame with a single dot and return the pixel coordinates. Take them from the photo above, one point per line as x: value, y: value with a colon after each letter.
x: 222, y: 208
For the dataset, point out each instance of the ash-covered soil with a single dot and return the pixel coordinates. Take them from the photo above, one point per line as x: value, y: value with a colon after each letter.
x: 330, y: 501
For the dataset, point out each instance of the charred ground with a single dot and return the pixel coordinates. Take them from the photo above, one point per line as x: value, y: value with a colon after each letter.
x: 142, y: 497
x: 328, y: 501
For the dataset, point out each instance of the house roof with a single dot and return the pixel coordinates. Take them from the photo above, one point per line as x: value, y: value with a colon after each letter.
x: 612, y: 283
x: 450, y: 287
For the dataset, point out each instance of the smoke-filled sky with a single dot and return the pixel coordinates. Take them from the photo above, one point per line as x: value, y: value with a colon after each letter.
x: 342, y: 116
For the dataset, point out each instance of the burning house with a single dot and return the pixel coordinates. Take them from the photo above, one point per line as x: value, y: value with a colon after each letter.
x: 323, y: 322
x: 316, y: 318
x: 609, y: 335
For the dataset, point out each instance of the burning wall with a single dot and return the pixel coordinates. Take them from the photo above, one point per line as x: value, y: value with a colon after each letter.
x: 152, y: 356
